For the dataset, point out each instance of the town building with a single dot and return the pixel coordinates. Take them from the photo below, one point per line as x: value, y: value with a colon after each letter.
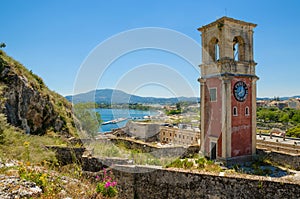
x: 228, y: 90
x: 148, y: 132
x: 293, y: 103
x: 179, y: 136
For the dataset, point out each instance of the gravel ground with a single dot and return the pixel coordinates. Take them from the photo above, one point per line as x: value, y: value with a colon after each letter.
x: 11, y: 186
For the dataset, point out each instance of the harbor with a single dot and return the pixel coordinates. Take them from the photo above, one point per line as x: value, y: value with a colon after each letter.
x: 115, y: 121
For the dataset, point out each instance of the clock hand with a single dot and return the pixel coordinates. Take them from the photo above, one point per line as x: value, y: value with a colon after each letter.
x: 241, y: 92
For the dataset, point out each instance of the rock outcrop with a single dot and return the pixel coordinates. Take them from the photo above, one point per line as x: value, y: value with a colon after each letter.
x: 29, y: 104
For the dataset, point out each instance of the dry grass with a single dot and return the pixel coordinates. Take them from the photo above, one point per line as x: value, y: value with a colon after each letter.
x: 28, y: 148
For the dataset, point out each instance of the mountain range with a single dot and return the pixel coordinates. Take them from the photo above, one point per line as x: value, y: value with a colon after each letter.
x: 280, y: 98
x: 112, y: 96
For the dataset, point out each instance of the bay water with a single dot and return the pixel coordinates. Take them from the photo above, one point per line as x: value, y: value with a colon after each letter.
x: 112, y: 114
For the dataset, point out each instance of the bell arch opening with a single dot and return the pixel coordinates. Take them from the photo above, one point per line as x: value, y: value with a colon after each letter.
x: 214, y: 49
x: 238, y: 49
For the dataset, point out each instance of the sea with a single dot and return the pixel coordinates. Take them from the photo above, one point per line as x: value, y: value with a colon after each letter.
x: 129, y: 114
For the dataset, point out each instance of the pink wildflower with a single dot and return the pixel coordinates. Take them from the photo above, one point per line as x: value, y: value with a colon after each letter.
x: 107, y: 184
x: 114, y: 183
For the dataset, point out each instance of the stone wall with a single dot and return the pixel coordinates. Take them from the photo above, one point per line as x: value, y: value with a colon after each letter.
x: 287, y: 160
x: 67, y: 155
x: 158, y: 152
x: 142, y: 182
x: 94, y: 164
x: 156, y: 182
x: 277, y: 146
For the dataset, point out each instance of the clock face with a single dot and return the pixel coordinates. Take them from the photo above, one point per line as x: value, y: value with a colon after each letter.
x: 240, y: 91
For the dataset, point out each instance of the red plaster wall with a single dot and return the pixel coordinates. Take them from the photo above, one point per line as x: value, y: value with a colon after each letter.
x: 241, y: 137
x: 213, y: 113
x: 219, y: 152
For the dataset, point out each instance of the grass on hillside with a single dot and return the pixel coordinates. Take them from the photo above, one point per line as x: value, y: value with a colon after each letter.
x: 15, y: 145
x: 38, y: 164
x: 28, y: 148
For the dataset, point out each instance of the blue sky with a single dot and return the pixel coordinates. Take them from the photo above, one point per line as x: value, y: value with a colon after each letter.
x: 53, y: 38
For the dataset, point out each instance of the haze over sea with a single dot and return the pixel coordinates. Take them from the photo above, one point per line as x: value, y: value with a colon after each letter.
x: 111, y: 114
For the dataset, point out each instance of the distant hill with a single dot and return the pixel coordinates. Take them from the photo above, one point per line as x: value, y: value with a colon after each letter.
x: 280, y: 98
x: 111, y: 96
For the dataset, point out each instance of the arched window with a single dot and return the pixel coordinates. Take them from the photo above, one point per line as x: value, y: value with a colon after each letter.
x: 247, y: 111
x: 214, y: 49
x: 217, y: 51
x: 238, y: 49
x: 235, y: 111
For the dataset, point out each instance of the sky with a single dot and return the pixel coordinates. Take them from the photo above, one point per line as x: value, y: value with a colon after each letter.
x: 58, y: 39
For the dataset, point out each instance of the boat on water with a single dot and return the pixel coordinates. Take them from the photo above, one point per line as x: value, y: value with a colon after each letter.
x: 114, y: 121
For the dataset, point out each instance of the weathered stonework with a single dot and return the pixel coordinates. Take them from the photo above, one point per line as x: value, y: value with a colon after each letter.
x: 283, y: 159
x: 67, y: 155
x: 155, y: 182
x: 158, y: 152
x: 70, y: 155
x: 143, y: 182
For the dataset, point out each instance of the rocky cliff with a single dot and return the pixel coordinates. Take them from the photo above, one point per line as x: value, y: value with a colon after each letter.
x: 29, y: 104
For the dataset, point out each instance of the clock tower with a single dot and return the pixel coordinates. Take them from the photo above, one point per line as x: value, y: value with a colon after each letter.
x: 228, y: 90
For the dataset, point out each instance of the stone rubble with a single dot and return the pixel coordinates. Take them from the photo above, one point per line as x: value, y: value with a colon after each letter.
x: 13, y: 187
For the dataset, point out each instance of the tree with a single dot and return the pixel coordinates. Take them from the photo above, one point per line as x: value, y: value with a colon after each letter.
x: 90, y: 120
x: 296, y: 117
x: 178, y: 106
x: 294, y: 132
x: 284, y: 117
x: 2, y: 45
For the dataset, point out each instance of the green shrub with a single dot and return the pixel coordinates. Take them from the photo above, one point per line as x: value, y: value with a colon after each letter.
x: 173, y: 112
x: 178, y: 163
x: 107, y: 186
x: 187, y: 164
x: 42, y: 179
x: 201, y: 162
x: 112, y: 152
x: 294, y: 132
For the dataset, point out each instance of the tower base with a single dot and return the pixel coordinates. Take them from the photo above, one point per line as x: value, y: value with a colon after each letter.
x: 241, y: 160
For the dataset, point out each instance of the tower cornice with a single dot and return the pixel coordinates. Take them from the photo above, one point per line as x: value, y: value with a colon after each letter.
x: 222, y: 21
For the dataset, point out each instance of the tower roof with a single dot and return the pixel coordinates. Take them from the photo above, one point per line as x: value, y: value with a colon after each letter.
x: 224, y: 20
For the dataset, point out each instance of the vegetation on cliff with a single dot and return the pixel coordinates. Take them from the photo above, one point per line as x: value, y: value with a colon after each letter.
x: 29, y: 104
x: 16, y: 145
